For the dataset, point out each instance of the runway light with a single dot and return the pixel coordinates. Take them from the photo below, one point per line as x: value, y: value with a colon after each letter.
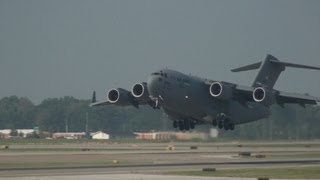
x: 246, y: 154
x: 260, y: 156
x: 209, y: 169
x: 115, y: 161
x: 171, y: 148
x: 193, y: 147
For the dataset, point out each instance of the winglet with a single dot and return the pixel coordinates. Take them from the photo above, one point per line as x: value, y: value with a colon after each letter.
x: 94, y: 97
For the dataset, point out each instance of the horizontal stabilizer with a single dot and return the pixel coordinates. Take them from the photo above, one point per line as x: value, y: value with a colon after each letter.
x: 270, y: 70
x: 247, y: 67
x: 295, y: 65
x: 274, y: 61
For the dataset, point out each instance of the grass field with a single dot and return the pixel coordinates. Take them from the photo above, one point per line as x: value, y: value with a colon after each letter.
x: 281, y: 173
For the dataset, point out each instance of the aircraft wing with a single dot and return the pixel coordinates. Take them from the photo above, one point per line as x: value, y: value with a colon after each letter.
x: 245, y: 93
x: 94, y: 101
x: 284, y: 97
x: 100, y: 103
x: 131, y: 101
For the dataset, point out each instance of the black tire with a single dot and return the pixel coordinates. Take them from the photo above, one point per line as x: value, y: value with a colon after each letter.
x: 232, y: 126
x: 186, y: 124
x: 214, y: 122
x: 181, y: 125
x: 226, y: 124
x: 220, y: 124
x: 226, y: 127
x: 175, y: 124
x: 192, y: 124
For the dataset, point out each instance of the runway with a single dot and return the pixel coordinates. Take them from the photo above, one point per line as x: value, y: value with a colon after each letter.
x: 146, y: 160
x: 126, y: 177
x: 147, y: 168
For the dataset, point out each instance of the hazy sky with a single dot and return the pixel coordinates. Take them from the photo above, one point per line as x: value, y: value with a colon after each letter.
x: 72, y: 47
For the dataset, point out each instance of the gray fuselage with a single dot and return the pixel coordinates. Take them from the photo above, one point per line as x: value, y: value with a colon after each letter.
x: 184, y: 96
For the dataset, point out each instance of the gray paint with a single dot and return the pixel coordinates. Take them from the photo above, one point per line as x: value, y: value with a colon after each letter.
x: 190, y: 100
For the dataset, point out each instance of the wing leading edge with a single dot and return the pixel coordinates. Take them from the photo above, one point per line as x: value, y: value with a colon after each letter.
x: 130, y: 101
x: 243, y: 92
x: 100, y: 103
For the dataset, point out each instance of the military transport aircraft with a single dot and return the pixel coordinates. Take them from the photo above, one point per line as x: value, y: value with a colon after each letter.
x: 190, y: 100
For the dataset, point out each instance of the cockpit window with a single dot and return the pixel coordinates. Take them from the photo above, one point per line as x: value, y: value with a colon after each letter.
x: 160, y: 73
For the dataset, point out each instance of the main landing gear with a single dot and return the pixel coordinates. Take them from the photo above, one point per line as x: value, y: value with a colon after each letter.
x: 223, y: 123
x: 184, y: 124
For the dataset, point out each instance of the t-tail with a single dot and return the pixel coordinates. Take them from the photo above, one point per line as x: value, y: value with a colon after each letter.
x: 269, y: 71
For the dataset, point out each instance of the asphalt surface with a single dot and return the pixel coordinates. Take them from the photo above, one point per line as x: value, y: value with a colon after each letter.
x: 125, y: 177
x: 147, y: 168
x: 148, y: 160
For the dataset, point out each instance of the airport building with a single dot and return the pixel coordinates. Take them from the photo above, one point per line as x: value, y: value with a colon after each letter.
x: 21, y: 133
x: 68, y: 135
x: 154, y: 135
x: 100, y: 135
x: 170, y: 135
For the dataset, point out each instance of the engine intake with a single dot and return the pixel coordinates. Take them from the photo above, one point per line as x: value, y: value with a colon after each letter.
x: 140, y: 91
x: 264, y: 96
x: 221, y: 90
x: 119, y: 96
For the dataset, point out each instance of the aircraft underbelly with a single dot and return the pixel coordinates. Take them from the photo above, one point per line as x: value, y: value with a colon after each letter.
x: 251, y: 112
x: 188, y: 101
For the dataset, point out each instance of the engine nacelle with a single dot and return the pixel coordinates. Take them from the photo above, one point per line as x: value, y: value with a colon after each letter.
x: 221, y: 90
x: 119, y: 96
x: 140, y: 91
x: 263, y: 96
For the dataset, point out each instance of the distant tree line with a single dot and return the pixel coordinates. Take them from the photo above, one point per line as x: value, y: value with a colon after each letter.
x: 58, y: 114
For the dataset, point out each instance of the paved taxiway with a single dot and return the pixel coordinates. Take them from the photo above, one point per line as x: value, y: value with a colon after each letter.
x: 146, y: 160
x: 152, y: 172
x: 125, y: 177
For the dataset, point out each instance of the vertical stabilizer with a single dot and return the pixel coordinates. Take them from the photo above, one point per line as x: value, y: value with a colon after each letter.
x: 269, y: 72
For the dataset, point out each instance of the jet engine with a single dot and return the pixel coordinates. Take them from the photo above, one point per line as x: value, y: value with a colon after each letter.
x: 140, y: 91
x: 264, y: 96
x: 221, y: 90
x: 119, y: 96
